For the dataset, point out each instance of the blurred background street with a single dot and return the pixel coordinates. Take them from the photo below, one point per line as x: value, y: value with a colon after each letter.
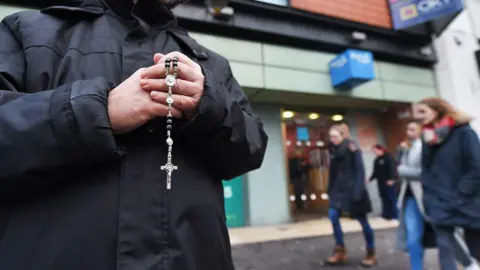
x: 290, y: 248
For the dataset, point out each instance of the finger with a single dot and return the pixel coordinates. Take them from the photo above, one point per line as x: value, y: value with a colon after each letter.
x: 181, y: 87
x: 161, y: 110
x: 180, y: 102
x: 157, y: 57
x: 182, y: 58
x: 184, y: 72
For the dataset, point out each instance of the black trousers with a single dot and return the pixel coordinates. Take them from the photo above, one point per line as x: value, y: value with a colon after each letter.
x: 299, y: 190
x: 388, y: 195
x: 472, y: 239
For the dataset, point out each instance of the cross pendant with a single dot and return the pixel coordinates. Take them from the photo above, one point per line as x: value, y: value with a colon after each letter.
x: 169, y: 168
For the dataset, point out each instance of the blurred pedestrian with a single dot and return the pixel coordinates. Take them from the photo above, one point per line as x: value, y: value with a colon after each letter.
x: 451, y: 179
x: 385, y: 172
x: 348, y: 195
x: 414, y: 233
x: 298, y: 177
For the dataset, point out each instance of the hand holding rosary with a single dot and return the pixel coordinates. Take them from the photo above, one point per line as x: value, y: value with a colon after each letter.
x: 170, y: 80
x: 187, y: 77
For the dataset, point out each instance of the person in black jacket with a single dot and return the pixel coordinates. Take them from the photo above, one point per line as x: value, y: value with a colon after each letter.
x: 385, y: 172
x: 298, y: 177
x: 451, y: 180
x: 86, y: 135
x: 348, y: 195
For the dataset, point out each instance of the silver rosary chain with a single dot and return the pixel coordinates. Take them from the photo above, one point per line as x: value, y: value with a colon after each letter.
x: 170, y: 80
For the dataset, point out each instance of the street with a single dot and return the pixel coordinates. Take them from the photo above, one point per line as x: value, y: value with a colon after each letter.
x: 309, y: 253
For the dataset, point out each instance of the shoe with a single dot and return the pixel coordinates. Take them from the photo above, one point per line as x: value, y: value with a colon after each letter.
x: 370, y: 260
x: 339, y: 257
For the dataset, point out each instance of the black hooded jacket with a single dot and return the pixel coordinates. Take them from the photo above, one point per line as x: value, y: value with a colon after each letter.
x: 72, y: 195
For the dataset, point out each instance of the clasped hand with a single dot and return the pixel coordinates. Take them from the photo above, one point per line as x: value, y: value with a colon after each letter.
x: 143, y: 96
x: 188, y: 88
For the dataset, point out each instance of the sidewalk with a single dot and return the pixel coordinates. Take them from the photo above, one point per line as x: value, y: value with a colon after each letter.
x: 305, y: 245
x: 313, y: 228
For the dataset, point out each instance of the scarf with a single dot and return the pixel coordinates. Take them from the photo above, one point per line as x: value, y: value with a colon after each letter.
x: 339, y: 151
x: 437, y: 133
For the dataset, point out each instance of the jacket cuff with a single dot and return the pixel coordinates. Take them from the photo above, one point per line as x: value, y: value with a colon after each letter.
x: 212, y: 109
x: 79, y: 113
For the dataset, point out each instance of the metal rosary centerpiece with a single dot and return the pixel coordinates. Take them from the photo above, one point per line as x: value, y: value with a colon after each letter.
x: 170, y: 80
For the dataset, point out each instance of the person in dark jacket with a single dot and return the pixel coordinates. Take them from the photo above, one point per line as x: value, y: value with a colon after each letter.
x: 415, y: 234
x: 451, y: 179
x: 348, y: 195
x: 385, y: 172
x: 84, y: 120
x: 298, y: 177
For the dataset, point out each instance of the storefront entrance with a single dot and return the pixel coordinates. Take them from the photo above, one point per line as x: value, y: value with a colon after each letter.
x: 305, y: 139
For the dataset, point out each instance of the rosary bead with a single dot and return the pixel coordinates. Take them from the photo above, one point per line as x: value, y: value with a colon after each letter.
x: 169, y: 127
x: 169, y: 121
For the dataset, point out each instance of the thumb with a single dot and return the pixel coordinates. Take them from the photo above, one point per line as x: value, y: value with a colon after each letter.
x: 157, y: 57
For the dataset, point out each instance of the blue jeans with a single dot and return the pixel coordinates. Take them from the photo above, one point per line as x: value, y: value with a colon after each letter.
x: 414, y: 225
x: 451, y: 246
x: 334, y: 215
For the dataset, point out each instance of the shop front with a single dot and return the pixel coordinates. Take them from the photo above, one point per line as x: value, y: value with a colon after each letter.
x: 306, y: 150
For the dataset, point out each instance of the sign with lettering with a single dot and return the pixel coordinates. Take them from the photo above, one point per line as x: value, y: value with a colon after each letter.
x: 352, y: 68
x: 407, y: 13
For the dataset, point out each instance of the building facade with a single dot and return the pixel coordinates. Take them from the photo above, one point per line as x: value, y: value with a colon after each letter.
x: 280, y: 53
x: 458, y: 68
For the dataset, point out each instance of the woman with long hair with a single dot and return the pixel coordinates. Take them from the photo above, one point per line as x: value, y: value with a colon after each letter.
x: 451, y: 179
x: 414, y: 233
x: 348, y: 194
x: 385, y: 172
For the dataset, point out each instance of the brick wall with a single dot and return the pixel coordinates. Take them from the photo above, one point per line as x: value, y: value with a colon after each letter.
x: 372, y: 12
x: 394, y: 128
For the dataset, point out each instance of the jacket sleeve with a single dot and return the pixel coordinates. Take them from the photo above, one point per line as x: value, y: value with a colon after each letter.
x: 392, y: 167
x: 225, y: 132
x: 470, y: 182
x: 414, y: 168
x: 399, y: 152
x: 332, y: 174
x: 374, y: 172
x: 359, y: 175
x: 45, y: 134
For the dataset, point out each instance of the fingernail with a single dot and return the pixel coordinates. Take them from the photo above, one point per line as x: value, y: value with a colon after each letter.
x: 154, y: 93
x: 143, y: 82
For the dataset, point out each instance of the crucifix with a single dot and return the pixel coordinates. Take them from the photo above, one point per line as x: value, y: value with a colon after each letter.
x: 170, y: 80
x: 169, y: 168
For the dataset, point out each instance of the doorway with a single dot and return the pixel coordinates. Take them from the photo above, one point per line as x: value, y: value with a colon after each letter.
x: 305, y: 140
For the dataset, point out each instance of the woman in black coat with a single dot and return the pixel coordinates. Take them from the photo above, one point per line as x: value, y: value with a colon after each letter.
x: 451, y: 179
x: 385, y: 172
x: 348, y: 194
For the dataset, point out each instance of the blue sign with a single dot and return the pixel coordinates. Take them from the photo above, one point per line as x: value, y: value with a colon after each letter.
x: 303, y: 134
x: 406, y: 13
x: 351, y: 68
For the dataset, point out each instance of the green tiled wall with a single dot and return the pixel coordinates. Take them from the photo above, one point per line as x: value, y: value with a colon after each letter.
x: 280, y: 71
x: 264, y: 66
x: 7, y: 10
